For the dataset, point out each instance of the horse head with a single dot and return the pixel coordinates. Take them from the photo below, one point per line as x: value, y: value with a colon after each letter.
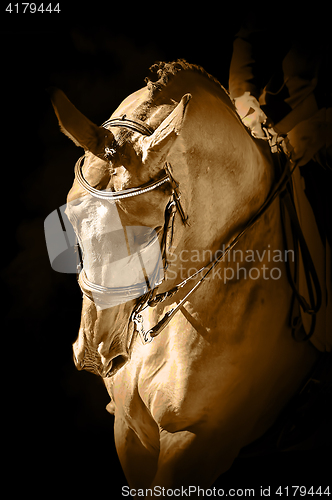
x: 218, y: 184
x: 115, y: 162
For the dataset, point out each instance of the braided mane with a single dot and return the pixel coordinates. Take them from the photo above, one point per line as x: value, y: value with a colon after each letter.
x: 166, y: 71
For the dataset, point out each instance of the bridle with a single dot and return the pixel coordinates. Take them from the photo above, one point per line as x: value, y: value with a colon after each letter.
x: 150, y: 296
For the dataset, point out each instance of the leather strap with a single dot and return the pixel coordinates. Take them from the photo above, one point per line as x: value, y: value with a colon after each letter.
x: 312, y: 281
x: 135, y: 125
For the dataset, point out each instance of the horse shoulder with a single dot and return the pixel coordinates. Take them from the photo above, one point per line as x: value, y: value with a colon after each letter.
x: 188, y: 386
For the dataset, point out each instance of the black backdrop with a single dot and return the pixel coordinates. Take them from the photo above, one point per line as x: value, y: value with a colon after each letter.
x: 98, y: 53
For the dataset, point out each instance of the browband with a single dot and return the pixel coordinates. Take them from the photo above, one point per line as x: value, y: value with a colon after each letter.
x: 135, y: 125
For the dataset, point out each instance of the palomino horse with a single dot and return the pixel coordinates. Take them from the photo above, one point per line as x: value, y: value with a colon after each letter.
x: 224, y: 363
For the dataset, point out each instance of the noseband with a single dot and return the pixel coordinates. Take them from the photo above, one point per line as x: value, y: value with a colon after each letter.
x: 150, y: 297
x: 117, y: 195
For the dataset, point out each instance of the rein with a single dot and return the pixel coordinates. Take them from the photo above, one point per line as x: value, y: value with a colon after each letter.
x: 150, y: 297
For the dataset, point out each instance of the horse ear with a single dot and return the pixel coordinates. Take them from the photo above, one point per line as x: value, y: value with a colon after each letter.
x: 160, y: 142
x: 77, y: 127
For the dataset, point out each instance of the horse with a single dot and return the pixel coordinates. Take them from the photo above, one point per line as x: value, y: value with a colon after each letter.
x: 220, y: 364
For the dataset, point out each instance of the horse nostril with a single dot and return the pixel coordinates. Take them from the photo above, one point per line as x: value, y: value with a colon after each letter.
x: 114, y: 365
x: 119, y: 361
x: 78, y: 364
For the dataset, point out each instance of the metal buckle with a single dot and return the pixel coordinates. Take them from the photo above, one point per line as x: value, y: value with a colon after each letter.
x: 176, y: 195
x: 137, y: 318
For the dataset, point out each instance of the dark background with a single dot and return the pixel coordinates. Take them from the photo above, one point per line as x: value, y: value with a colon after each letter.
x: 97, y: 53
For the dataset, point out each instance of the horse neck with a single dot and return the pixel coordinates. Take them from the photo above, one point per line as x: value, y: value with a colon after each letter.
x: 225, y: 176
